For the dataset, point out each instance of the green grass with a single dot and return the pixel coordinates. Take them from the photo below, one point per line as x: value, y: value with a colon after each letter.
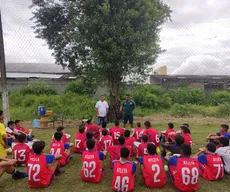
x: 70, y: 180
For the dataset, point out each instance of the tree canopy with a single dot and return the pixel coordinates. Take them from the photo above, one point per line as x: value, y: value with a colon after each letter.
x: 102, y: 40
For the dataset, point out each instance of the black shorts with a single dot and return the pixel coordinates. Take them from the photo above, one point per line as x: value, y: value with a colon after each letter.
x: 128, y: 117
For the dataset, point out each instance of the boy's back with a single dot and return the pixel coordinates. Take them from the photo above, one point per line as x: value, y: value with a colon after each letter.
x: 39, y: 174
x: 79, y: 142
x: 211, y: 167
x: 92, y: 170
x: 116, y: 132
x: 142, y: 149
x: 21, y: 152
x: 137, y: 133
x: 123, y: 176
x: 106, y: 141
x: 185, y: 173
x: 153, y: 136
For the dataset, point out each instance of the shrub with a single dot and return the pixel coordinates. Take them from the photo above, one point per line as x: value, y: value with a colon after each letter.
x: 220, y: 97
x: 223, y: 110
x: 79, y: 88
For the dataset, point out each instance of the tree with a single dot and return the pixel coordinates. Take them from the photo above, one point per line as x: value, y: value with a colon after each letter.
x: 102, y: 40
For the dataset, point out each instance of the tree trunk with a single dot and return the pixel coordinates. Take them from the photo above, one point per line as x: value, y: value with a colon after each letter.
x: 115, y: 103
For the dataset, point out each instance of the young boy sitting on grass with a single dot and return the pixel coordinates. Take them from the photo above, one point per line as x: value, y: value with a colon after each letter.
x: 21, y: 150
x: 11, y: 134
x: 20, y: 129
x: 61, y: 148
x: 65, y: 138
x: 89, y: 135
x: 213, y: 137
x: 165, y: 134
x: 80, y: 139
x: 41, y: 168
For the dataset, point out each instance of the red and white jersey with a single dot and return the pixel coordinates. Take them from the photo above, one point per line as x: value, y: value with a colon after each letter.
x: 211, y: 167
x: 97, y: 145
x: 79, y: 142
x: 39, y: 173
x: 123, y: 176
x: 185, y: 173
x: 129, y: 141
x: 137, y: 133
x: 65, y: 138
x: 94, y: 129
x: 92, y: 169
x: 21, y: 152
x: 58, y: 148
x: 167, y: 133
x: 106, y: 141
x: 142, y: 149
x: 153, y: 136
x: 187, y: 138
x: 153, y: 171
x: 116, y: 132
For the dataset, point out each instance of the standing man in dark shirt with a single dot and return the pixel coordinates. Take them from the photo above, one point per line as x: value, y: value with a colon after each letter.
x: 127, y: 107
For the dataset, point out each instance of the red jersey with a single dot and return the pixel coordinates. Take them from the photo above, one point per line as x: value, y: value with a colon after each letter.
x: 114, y: 152
x: 106, y: 141
x: 92, y: 169
x: 211, y: 167
x: 100, y: 131
x: 129, y: 141
x: 79, y: 142
x: 153, y: 136
x: 39, y: 174
x: 185, y: 173
x: 137, y: 133
x: 97, y: 145
x: 123, y: 176
x: 116, y: 132
x: 94, y: 129
x: 142, y: 149
x: 58, y: 148
x: 153, y: 171
x: 187, y: 138
x: 21, y: 152
x: 167, y: 132
x: 21, y: 129
x: 65, y: 138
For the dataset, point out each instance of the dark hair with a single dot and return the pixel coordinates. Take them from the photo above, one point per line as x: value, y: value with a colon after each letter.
x: 185, y: 129
x: 1, y: 112
x: 127, y: 133
x: 10, y: 123
x: 170, y: 125
x: 225, y: 126
x: 147, y: 124
x: 128, y: 95
x: 124, y: 152
x: 145, y: 138
x: 224, y: 141
x: 58, y: 135
x: 88, y: 121
x: 186, y: 149
x: 21, y: 138
x: 151, y: 149
x: 90, y: 144
x: 60, y: 128
x: 179, y: 139
x: 138, y: 124
x: 104, y: 125
x: 186, y: 124
x: 104, y: 132
x: 17, y: 121
x: 117, y: 123
x: 81, y: 128
x: 121, y: 140
x: 89, y: 135
x: 211, y: 147
x: 101, y: 95
x: 38, y: 146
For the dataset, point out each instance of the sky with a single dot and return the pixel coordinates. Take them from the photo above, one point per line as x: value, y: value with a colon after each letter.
x: 196, y: 42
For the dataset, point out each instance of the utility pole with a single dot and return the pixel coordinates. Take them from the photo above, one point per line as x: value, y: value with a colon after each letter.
x: 5, y: 103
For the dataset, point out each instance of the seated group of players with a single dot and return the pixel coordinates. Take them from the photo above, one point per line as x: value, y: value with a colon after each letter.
x: 93, y: 143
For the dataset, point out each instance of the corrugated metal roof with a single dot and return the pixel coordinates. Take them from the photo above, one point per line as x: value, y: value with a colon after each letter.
x: 33, y: 75
x: 47, y: 68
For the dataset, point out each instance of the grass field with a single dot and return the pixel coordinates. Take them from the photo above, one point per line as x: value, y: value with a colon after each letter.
x: 70, y: 180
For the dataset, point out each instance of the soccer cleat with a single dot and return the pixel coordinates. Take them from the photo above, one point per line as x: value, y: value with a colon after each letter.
x: 59, y: 171
x: 19, y: 175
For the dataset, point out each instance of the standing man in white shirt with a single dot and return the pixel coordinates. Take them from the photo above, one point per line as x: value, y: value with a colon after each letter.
x: 102, y: 109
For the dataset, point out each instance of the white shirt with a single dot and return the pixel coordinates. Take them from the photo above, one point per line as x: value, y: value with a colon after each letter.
x: 224, y: 152
x: 102, y: 108
x: 8, y: 130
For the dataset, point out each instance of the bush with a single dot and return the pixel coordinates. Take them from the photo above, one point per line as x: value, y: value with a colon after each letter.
x: 187, y: 96
x: 220, y: 97
x: 223, y: 110
x: 79, y: 88
x: 38, y: 87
